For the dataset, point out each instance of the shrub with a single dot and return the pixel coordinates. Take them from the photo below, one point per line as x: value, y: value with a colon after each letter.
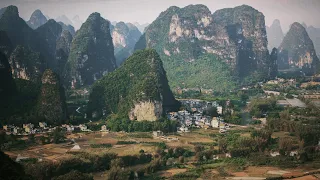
x: 107, y: 145
x: 126, y: 142
x: 74, y: 175
x: 240, y: 152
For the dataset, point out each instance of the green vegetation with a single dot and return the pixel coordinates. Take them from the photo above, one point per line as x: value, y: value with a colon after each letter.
x: 83, y: 162
x: 51, y: 104
x: 10, y: 169
x: 33, y: 102
x: 72, y: 175
x: 22, y: 106
x: 207, y: 72
x: 116, y: 123
x: 126, y: 142
x: 140, y: 78
x: 260, y: 107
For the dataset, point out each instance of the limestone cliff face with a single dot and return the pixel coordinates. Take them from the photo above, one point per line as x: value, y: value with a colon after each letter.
x: 51, y: 104
x: 297, y: 51
x: 275, y: 35
x: 91, y: 54
x: 148, y: 110
x: 124, y: 37
x: 236, y: 35
x: 26, y: 64
x: 246, y: 28
x: 37, y: 19
x: 138, y: 89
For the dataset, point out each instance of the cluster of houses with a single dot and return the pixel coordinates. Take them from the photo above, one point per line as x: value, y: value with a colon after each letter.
x: 42, y: 128
x: 195, y: 118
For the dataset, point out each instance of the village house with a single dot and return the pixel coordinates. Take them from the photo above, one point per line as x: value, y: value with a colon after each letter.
x: 84, y: 128
x: 28, y: 127
x: 215, y: 122
x: 68, y: 128
x: 276, y: 93
x: 183, y: 129
x: 219, y: 110
x: 104, y: 128
x: 157, y: 133
x: 16, y: 130
x: 42, y: 124
x: 5, y: 127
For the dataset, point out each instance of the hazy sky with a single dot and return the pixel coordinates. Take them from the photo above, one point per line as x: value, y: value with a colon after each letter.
x: 142, y: 11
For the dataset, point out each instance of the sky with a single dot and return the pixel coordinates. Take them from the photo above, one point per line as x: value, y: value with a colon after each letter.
x: 146, y: 11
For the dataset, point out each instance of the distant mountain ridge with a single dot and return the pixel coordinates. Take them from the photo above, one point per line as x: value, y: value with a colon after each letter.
x: 64, y: 19
x: 275, y: 34
x: 124, y: 36
x: 141, y: 27
x: 77, y: 22
x: 37, y: 19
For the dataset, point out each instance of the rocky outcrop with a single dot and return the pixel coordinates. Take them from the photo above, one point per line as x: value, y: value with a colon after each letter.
x: 275, y: 35
x: 91, y: 54
x: 237, y: 36
x: 138, y: 89
x: 37, y: 19
x: 297, y: 51
x: 150, y: 111
x: 52, y: 105
x: 124, y: 37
